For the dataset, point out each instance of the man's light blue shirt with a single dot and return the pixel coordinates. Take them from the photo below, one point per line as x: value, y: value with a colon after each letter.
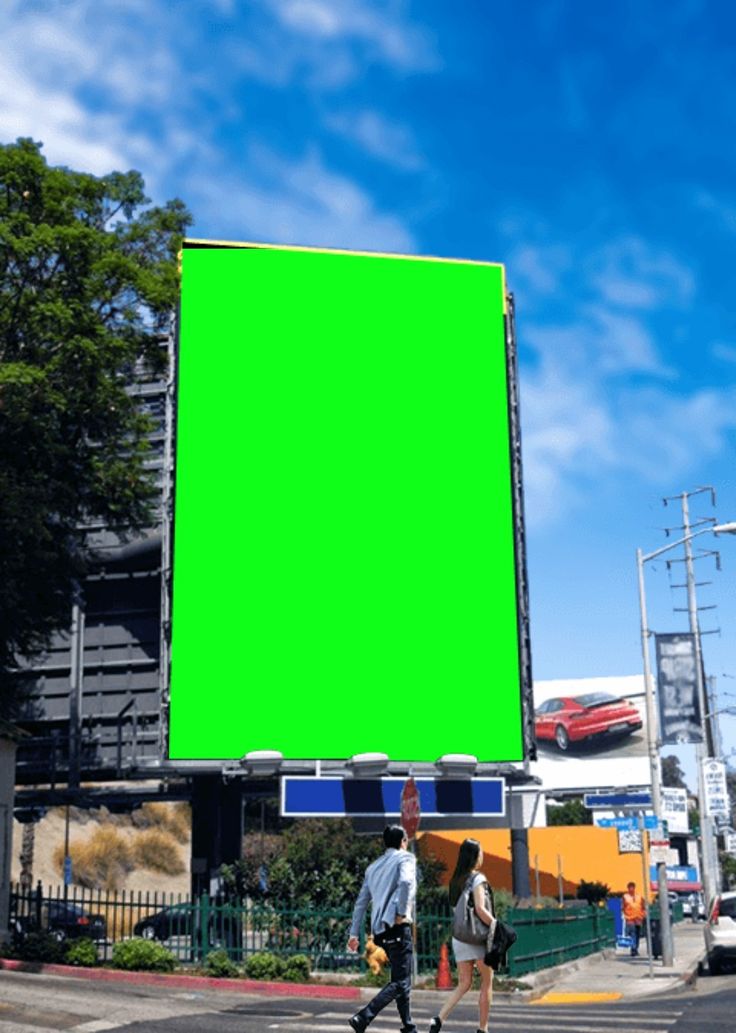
x: 390, y: 883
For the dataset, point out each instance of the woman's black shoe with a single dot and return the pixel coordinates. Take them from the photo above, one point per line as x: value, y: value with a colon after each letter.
x: 435, y: 1025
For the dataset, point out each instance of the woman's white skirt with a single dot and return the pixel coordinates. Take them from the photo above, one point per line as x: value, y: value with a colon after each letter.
x: 467, y: 951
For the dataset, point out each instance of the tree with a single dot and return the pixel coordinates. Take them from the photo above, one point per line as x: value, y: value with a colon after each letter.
x: 319, y: 863
x: 673, y: 777
x: 571, y: 812
x: 88, y: 277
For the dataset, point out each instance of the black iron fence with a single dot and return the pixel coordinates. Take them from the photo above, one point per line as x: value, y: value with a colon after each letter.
x: 191, y: 929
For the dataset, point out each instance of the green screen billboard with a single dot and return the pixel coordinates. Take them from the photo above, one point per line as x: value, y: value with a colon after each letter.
x: 345, y: 558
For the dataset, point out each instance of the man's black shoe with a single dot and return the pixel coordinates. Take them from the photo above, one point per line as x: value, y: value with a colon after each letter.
x: 357, y: 1024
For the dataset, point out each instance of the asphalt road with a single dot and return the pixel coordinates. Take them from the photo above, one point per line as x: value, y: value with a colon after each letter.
x: 37, y: 1004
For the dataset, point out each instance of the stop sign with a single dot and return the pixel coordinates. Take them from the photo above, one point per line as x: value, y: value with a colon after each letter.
x: 410, y: 812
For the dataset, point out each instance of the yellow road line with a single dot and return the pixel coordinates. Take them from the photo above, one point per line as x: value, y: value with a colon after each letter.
x: 578, y: 998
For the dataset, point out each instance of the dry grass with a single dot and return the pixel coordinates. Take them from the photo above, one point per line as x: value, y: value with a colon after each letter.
x: 100, y: 862
x: 175, y: 818
x: 157, y: 851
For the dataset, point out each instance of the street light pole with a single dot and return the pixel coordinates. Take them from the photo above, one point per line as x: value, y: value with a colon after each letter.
x: 656, y: 773
x: 653, y: 724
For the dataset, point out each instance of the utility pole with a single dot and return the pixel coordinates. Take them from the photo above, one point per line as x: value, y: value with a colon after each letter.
x: 703, y: 750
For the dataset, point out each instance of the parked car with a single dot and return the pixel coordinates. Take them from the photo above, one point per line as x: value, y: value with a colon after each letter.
x: 69, y: 921
x: 574, y: 719
x: 720, y: 932
x: 162, y: 925
x: 183, y: 920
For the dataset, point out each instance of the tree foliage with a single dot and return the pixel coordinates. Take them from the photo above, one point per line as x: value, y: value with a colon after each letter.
x: 320, y: 862
x: 673, y: 777
x: 88, y: 277
x: 571, y: 812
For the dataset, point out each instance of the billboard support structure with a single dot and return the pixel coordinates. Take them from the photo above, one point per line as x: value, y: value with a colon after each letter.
x: 359, y: 454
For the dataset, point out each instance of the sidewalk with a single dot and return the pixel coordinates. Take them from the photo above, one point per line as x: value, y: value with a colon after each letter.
x: 615, y: 975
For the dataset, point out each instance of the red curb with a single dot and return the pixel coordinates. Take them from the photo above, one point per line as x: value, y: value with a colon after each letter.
x: 243, y: 986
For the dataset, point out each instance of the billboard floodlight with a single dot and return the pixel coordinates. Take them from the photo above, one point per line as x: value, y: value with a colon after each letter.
x: 457, y: 765
x: 368, y: 765
x: 262, y: 762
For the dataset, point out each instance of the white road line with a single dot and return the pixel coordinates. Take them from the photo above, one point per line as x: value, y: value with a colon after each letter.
x: 93, y: 1026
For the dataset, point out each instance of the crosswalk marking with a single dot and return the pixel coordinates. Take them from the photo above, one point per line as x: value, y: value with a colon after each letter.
x: 605, y: 1018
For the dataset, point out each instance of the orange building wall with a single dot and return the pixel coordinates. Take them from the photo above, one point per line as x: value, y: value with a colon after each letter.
x: 586, y: 852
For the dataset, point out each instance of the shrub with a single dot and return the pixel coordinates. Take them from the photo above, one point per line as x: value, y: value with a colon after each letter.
x: 219, y: 965
x: 100, y: 862
x: 158, y: 851
x: 264, y: 966
x: 593, y: 892
x: 297, y: 968
x: 138, y: 955
x: 81, y: 952
x: 40, y: 946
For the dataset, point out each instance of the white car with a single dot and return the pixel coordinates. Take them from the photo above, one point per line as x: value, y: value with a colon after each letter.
x: 720, y: 932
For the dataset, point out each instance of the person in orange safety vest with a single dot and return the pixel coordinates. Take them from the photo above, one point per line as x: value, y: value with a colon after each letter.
x: 634, y: 911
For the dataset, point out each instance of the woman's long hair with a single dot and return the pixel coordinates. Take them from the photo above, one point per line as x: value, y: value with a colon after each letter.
x: 467, y: 859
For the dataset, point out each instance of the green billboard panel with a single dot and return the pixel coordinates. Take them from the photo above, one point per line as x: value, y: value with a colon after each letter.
x: 345, y: 568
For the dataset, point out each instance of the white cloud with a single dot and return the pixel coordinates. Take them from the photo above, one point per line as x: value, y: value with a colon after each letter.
x: 391, y: 37
x: 381, y: 138
x: 302, y: 202
x: 593, y: 397
x: 632, y: 274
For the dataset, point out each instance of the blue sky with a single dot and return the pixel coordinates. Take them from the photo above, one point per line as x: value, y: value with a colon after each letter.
x: 589, y: 146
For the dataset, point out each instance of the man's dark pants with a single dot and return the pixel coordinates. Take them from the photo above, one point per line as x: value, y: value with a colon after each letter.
x: 397, y: 943
x: 633, y: 929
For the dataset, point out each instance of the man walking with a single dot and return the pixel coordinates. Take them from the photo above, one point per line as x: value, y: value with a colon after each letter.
x: 390, y: 885
x: 635, y: 910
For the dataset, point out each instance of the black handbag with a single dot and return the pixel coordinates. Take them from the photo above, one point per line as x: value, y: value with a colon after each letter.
x: 501, y: 941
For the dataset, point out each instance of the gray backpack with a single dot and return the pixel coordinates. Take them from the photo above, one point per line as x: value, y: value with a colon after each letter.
x: 466, y: 926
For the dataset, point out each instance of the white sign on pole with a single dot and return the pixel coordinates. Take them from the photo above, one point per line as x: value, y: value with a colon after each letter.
x: 731, y: 843
x: 659, y: 851
x: 716, y: 790
x: 674, y: 809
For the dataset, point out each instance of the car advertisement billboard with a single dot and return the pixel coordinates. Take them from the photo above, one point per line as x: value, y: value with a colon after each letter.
x: 346, y: 529
x: 591, y: 733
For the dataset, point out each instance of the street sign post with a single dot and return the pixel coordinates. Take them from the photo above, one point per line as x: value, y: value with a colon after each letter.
x: 627, y: 823
x: 623, y: 799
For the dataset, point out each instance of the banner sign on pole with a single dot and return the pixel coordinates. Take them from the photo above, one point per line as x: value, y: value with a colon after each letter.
x: 731, y: 843
x: 677, y: 689
x: 716, y: 790
x: 674, y: 809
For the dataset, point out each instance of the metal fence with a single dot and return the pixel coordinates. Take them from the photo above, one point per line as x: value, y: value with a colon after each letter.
x: 191, y: 929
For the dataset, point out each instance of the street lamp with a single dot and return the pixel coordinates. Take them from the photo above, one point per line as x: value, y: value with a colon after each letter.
x: 652, y: 726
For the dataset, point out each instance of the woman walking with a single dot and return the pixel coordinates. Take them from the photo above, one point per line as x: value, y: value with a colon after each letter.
x: 469, y: 860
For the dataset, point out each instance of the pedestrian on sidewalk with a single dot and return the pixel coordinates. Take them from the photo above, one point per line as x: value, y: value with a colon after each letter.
x: 390, y: 886
x: 467, y: 869
x: 635, y: 911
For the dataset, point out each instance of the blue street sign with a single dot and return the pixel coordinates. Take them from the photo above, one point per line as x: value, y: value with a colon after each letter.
x: 304, y: 796
x: 627, y: 823
x: 613, y: 800
x: 67, y: 871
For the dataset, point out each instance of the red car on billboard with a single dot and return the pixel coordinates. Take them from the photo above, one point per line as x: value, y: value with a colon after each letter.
x: 574, y: 719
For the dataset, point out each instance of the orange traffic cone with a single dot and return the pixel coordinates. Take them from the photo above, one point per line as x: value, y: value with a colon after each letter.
x: 444, y: 977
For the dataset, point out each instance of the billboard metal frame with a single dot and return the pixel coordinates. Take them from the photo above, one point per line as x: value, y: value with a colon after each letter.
x: 528, y: 738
